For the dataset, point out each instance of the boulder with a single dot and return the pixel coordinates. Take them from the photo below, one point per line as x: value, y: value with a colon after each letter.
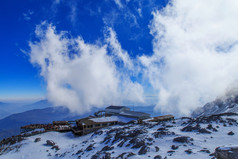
x: 182, y: 139
x: 230, y: 133
x: 37, y: 139
x: 226, y: 152
x: 157, y: 148
x: 158, y: 157
x: 50, y: 142
x: 174, y: 147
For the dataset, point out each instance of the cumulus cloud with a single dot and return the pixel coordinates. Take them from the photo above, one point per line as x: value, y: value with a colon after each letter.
x: 81, y: 75
x: 195, y: 53
x: 194, y: 61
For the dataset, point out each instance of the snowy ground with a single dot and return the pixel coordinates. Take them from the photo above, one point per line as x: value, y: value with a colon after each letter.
x: 121, y: 141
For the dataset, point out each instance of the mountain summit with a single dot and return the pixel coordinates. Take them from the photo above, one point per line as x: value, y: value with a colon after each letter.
x: 219, y: 106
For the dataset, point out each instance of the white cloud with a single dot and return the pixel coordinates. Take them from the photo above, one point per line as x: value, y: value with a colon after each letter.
x: 116, y: 49
x: 85, y: 75
x: 195, y: 53
x: 118, y: 3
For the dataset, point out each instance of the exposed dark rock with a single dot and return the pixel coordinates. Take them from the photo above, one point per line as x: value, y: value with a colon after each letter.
x: 107, y: 139
x: 205, y: 150
x: 90, y: 147
x: 37, y: 139
x: 162, y: 133
x: 230, y: 133
x: 182, y: 139
x: 191, y: 128
x: 56, y: 147
x: 171, y: 151
x: 50, y: 142
x: 156, y: 148
x: 149, y: 139
x: 209, y: 127
x: 226, y: 152
x: 121, y: 144
x: 174, y: 147
x: 204, y: 131
x: 162, y: 129
x: 130, y: 154
x: 158, y: 157
x: 137, y: 143
x: 189, y: 151
x: 136, y: 132
x: 143, y: 150
x: 121, y: 155
x: 98, y: 132
x: 101, y: 155
x: 79, y: 152
x: 12, y: 140
x: 107, y: 148
x: 196, y: 128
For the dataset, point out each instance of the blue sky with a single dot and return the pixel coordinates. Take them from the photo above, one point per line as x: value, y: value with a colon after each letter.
x: 20, y: 79
x: 177, y: 54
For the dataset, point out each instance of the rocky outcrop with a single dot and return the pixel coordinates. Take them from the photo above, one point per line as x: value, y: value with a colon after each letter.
x: 226, y: 152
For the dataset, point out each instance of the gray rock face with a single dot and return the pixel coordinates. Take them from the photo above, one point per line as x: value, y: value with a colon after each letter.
x: 226, y: 153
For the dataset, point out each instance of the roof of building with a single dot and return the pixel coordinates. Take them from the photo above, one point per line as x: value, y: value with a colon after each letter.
x: 101, y: 120
x: 91, y: 121
x: 134, y: 114
x: 115, y: 107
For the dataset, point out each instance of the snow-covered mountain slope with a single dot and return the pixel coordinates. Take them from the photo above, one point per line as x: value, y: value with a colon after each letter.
x: 218, y: 106
x: 181, y: 138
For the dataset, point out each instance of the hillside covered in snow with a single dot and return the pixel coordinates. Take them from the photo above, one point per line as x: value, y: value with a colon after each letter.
x: 180, y: 138
x: 221, y: 105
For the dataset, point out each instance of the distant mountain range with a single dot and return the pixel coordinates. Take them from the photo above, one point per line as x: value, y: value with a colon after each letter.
x: 7, y: 109
x: 10, y: 125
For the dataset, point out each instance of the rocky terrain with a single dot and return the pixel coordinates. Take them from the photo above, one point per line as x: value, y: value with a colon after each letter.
x: 181, y: 138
